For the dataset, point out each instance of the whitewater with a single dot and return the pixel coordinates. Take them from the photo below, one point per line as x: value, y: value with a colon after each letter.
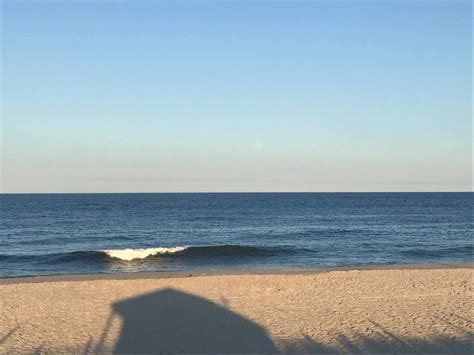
x: 135, y: 254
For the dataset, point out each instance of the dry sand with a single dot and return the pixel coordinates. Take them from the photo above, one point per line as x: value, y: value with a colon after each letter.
x: 358, y: 311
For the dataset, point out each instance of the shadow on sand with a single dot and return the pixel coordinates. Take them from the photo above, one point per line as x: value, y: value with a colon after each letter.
x: 172, y: 321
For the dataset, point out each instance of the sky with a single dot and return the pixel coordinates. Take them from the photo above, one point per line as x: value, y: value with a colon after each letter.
x: 213, y: 96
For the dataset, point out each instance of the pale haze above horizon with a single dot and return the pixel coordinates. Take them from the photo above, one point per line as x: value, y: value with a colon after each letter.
x: 214, y: 96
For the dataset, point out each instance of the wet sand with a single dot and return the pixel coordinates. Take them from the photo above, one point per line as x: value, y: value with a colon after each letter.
x: 409, y: 309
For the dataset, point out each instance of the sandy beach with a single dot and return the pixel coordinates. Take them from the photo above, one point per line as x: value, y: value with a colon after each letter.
x: 397, y: 310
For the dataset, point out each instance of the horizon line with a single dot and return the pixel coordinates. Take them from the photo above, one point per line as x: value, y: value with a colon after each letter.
x: 229, y: 192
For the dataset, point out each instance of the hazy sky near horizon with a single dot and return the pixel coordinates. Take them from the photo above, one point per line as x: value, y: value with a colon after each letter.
x: 165, y: 96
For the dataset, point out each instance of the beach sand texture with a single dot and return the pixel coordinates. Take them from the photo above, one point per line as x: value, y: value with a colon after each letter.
x: 357, y: 311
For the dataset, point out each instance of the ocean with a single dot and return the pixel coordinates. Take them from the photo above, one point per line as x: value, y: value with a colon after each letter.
x: 46, y: 234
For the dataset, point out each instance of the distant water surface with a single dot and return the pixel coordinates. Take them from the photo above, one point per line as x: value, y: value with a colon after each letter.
x: 44, y: 234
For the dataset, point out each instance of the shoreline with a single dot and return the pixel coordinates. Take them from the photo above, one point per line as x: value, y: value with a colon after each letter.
x: 223, y: 272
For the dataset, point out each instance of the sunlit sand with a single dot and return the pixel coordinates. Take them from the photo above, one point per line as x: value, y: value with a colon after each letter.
x: 368, y: 310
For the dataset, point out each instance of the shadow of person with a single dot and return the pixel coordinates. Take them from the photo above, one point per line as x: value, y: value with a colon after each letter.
x: 176, y: 322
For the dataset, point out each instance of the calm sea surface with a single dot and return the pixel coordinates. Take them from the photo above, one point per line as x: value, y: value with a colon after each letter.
x: 104, y: 233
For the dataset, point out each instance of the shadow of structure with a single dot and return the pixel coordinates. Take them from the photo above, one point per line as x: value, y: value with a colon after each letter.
x: 172, y: 321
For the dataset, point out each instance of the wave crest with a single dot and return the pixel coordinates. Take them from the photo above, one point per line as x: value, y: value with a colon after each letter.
x: 133, y: 254
x: 458, y: 251
x: 191, y: 251
x: 148, y: 255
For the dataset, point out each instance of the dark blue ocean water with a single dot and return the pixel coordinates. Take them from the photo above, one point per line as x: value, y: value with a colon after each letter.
x: 67, y: 233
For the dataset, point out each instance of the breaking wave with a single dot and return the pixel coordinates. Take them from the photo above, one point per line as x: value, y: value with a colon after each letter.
x: 458, y: 251
x: 133, y: 254
x: 149, y: 254
x: 195, y: 251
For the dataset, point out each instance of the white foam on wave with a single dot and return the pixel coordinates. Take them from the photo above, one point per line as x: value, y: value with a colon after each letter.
x: 132, y: 254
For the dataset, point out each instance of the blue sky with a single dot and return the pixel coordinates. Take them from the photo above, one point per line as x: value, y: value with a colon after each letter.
x: 236, y: 96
